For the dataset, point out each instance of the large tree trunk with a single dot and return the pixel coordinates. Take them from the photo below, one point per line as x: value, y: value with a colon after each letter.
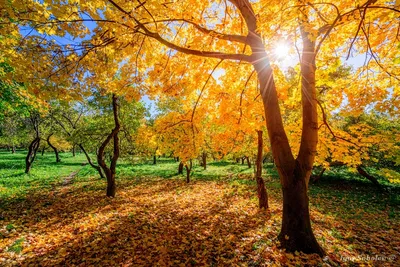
x: 32, y: 150
x: 54, y: 148
x: 110, y: 171
x: 296, y: 233
x: 262, y: 192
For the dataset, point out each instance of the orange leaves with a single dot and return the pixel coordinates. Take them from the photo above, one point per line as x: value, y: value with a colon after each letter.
x: 165, y: 221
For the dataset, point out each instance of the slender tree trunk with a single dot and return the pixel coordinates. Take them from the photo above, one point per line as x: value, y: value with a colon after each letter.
x: 43, y: 149
x: 13, y: 149
x: 262, y: 192
x: 73, y: 150
x: 154, y: 160
x: 242, y: 160
x: 54, y: 148
x: 111, y: 185
x: 97, y: 168
x: 110, y: 171
x: 362, y: 172
x: 248, y: 162
x: 32, y: 150
x: 180, y: 168
x: 237, y: 160
x: 204, y: 160
x: 188, y: 170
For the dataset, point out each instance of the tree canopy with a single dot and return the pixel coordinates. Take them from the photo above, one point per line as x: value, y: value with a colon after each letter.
x: 220, y: 73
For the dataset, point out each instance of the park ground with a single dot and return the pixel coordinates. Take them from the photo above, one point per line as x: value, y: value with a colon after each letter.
x: 59, y: 216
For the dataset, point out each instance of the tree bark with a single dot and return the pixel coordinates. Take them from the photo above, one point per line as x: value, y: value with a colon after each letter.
x: 296, y: 232
x: 204, y: 160
x: 32, y: 150
x: 154, y: 160
x: 188, y: 170
x: 73, y: 150
x: 262, y: 192
x: 180, y: 168
x: 110, y: 171
x: 54, y: 148
x: 248, y: 162
x: 362, y: 172
x: 13, y: 148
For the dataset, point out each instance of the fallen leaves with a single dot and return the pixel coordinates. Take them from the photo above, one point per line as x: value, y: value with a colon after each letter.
x: 158, y: 222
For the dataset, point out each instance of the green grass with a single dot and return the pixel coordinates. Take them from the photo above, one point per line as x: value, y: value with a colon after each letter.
x: 45, y: 173
x: 343, y: 206
x: 17, y: 246
x: 338, y: 185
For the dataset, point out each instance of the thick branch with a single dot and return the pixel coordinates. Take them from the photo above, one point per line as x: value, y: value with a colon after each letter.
x: 112, y: 135
x: 223, y: 36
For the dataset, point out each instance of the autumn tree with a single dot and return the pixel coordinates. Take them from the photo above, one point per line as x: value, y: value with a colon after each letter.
x: 110, y: 171
x: 296, y: 233
x: 245, y: 32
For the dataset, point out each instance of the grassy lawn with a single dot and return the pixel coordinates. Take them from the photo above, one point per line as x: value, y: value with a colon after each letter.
x: 159, y: 220
x: 45, y: 173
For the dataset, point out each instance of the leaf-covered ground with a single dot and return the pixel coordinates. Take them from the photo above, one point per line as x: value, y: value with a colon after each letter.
x: 162, y: 221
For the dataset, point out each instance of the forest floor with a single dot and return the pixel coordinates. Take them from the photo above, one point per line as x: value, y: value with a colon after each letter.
x: 157, y: 219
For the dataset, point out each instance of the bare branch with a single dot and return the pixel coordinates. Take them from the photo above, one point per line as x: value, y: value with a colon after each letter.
x: 325, y: 122
x: 241, y: 96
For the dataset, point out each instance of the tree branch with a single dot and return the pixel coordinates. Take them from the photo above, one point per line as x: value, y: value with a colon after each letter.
x: 229, y: 37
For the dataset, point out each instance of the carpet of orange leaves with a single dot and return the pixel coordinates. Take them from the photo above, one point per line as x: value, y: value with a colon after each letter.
x: 158, y: 222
